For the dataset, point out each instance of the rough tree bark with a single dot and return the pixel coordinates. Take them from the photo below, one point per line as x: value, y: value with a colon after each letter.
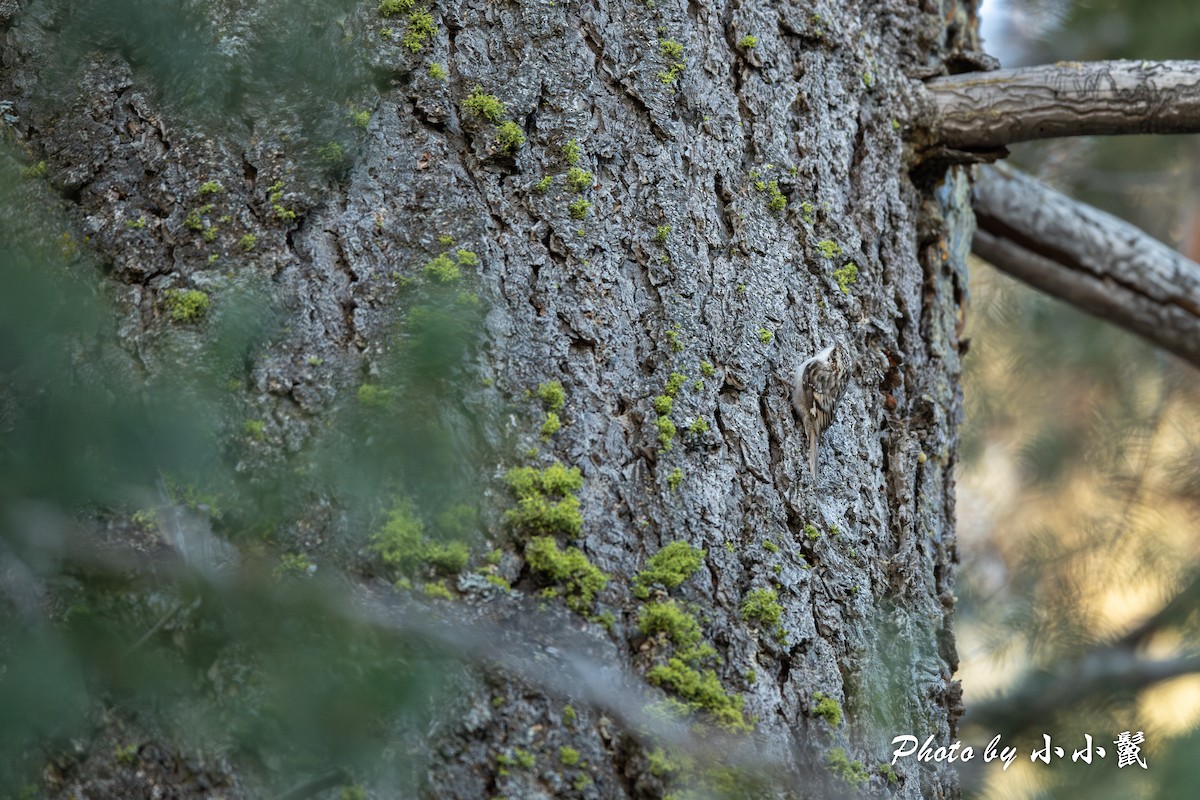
x: 780, y: 165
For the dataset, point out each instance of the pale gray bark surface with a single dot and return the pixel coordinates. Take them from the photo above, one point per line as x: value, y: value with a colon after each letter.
x: 819, y: 106
x: 1088, y: 258
x: 991, y: 109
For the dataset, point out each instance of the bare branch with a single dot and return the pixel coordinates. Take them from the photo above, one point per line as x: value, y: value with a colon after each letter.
x: 1115, y: 669
x: 986, y: 110
x: 1104, y: 673
x: 1091, y: 259
x: 1177, y: 611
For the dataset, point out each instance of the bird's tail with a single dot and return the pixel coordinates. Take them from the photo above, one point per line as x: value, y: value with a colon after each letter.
x: 813, y: 440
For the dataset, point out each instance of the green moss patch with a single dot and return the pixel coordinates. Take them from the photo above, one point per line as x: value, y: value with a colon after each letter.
x: 546, y: 500
x: 666, y: 432
x: 846, y: 276
x: 827, y: 708
x: 552, y: 395
x: 571, y: 152
x: 675, y: 479
x: 186, y: 305
x: 682, y: 628
x: 390, y: 8
x: 579, y: 180
x: 578, y: 578
x: 829, y: 248
x: 701, y: 690
x: 404, y: 547
x: 578, y: 208
x: 509, y: 136
x: 442, y: 269
x: 482, y: 104
x: 852, y: 772
x: 420, y: 30
x: 672, y: 51
x: 776, y: 200
x: 762, y: 605
x: 669, y: 567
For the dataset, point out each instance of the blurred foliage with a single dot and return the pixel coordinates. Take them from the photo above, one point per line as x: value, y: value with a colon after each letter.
x: 1078, y: 501
x: 144, y: 577
x: 288, y: 68
x: 1077, y: 513
x: 1135, y: 29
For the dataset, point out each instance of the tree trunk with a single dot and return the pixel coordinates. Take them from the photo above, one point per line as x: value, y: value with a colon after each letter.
x: 750, y: 201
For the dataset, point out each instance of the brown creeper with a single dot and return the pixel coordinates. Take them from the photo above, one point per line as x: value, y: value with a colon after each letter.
x: 820, y: 383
